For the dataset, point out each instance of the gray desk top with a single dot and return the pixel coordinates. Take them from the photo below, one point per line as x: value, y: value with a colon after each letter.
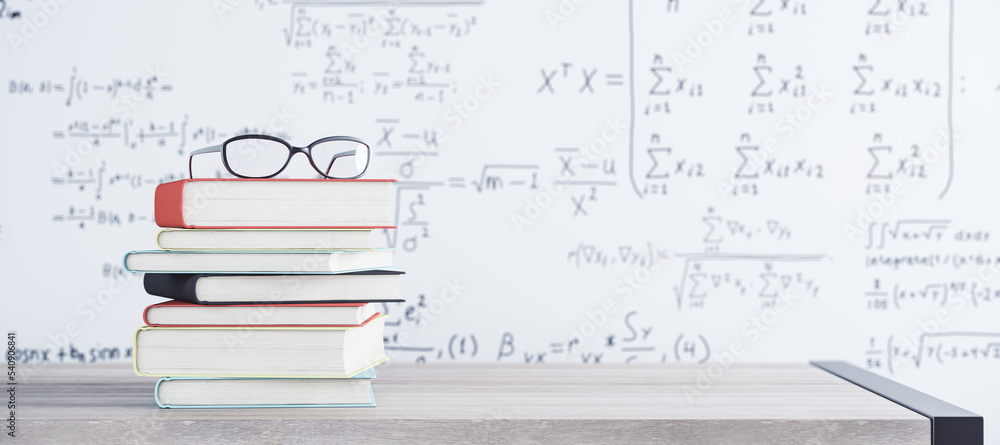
x: 484, y: 403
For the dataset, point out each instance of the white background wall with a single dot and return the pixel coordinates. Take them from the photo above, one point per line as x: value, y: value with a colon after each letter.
x: 617, y: 221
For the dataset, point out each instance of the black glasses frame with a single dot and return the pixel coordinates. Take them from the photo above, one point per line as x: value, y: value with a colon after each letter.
x: 292, y: 150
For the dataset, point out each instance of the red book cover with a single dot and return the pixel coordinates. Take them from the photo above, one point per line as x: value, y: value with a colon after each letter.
x: 169, y: 205
x: 145, y: 312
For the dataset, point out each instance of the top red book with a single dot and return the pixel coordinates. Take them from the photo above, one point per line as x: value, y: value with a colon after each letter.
x: 274, y: 203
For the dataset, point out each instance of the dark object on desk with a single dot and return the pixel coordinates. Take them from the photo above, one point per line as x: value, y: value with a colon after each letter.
x: 262, y: 156
x: 369, y: 286
x: 949, y: 424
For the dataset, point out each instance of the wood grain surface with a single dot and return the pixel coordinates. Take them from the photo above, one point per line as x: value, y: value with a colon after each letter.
x: 487, y: 404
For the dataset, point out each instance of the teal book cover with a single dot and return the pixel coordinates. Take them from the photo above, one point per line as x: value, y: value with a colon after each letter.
x: 233, y: 384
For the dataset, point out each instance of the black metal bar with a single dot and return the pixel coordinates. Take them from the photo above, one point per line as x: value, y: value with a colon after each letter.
x: 949, y: 423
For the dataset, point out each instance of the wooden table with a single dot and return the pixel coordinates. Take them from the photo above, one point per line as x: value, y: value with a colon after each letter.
x: 489, y: 404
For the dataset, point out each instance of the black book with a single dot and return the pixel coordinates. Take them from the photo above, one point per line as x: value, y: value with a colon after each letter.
x: 376, y: 286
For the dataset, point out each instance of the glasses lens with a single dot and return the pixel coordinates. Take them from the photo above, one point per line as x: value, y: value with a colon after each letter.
x: 255, y: 158
x: 340, y: 159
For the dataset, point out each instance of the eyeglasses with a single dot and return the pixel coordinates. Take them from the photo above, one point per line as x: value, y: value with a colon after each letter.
x: 259, y: 156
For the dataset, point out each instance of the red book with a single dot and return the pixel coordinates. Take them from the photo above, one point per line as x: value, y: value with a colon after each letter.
x: 274, y: 203
x: 181, y: 314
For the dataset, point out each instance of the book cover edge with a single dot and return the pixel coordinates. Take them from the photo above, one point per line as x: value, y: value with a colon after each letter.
x: 252, y: 326
x: 381, y: 360
x: 156, y: 396
x: 168, y: 204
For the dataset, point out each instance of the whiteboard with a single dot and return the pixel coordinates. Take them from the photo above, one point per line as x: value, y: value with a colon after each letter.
x: 582, y: 182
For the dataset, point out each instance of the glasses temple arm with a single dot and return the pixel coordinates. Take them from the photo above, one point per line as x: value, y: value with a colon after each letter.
x: 201, y: 151
x: 338, y: 155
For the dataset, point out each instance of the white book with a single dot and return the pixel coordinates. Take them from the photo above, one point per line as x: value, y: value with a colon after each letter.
x: 257, y: 262
x: 263, y: 239
x: 261, y: 352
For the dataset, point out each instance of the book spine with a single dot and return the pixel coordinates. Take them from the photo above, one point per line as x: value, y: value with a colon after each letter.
x: 156, y: 239
x: 180, y: 287
x: 135, y: 350
x: 168, y: 204
x: 125, y: 262
x: 145, y: 313
x: 156, y: 392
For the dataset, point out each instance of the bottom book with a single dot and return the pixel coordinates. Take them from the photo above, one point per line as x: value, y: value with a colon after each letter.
x: 193, y: 392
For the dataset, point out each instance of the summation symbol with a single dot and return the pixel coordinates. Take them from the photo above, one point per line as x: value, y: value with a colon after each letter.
x: 718, y: 226
x: 760, y: 11
x: 697, y: 295
x: 743, y: 171
x: 301, y: 28
x: 660, y: 87
x: 761, y: 71
x: 766, y: 291
x: 874, y: 152
x: 698, y: 281
x: 714, y: 235
x: 659, y: 170
x: 416, y: 61
x: 338, y: 63
x: 863, y: 72
x: 879, y: 9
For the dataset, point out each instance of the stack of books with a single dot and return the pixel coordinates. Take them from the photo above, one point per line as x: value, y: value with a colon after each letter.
x: 275, y: 287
